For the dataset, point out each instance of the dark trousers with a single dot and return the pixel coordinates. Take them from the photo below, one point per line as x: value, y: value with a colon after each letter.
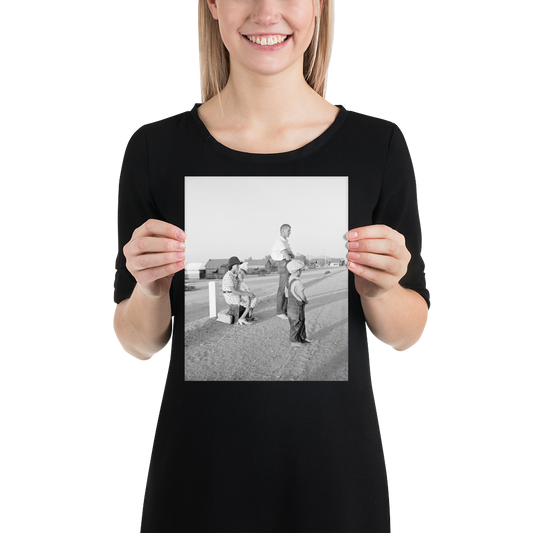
x: 297, y: 323
x: 281, y: 299
x: 236, y: 310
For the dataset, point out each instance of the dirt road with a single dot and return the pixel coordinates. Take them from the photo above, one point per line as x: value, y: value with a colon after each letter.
x: 262, y: 351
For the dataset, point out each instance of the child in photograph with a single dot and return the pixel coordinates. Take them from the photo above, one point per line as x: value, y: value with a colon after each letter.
x: 247, y: 301
x: 296, y: 302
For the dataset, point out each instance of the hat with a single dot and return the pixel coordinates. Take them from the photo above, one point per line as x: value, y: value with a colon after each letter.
x: 244, y: 266
x: 233, y: 261
x: 294, y: 265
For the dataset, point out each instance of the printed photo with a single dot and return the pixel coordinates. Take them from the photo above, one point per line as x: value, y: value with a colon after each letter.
x: 266, y: 283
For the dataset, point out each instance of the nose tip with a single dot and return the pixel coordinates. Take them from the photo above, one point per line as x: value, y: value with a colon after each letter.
x: 265, y: 13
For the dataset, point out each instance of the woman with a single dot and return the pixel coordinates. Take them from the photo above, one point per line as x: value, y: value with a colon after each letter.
x: 268, y: 457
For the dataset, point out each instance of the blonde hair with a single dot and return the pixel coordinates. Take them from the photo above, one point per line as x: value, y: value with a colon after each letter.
x: 214, y: 56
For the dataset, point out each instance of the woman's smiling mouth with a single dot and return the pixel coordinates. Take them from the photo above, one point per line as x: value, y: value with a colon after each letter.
x: 267, y: 42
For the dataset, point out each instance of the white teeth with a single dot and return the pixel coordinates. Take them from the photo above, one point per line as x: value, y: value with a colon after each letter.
x: 263, y: 41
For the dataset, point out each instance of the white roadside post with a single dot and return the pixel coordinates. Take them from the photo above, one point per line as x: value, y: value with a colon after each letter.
x: 212, y: 299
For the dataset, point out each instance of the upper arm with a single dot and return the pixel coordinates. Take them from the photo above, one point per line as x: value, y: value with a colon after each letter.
x: 135, y: 207
x: 397, y: 208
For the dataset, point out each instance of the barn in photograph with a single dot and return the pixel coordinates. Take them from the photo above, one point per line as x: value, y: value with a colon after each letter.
x: 259, y: 266
x: 216, y: 268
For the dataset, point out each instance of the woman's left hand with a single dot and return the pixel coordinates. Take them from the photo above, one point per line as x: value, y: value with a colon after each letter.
x: 378, y: 257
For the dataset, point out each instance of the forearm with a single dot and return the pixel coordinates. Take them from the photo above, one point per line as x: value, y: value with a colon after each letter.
x: 143, y: 324
x: 287, y: 255
x: 238, y: 292
x: 398, y: 318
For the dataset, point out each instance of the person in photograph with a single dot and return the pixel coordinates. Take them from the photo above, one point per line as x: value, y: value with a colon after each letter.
x: 247, y: 301
x: 233, y: 293
x: 281, y: 253
x: 296, y: 302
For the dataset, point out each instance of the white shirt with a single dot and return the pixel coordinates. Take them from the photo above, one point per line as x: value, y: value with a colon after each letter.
x: 281, y: 244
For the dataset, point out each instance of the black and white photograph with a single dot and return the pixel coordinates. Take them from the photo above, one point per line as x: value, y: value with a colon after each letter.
x: 266, y: 286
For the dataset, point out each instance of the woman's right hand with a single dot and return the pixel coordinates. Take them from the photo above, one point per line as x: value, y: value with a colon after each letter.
x: 154, y: 254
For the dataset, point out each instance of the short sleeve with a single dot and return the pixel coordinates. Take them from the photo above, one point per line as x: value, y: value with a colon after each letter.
x: 397, y: 208
x: 135, y: 207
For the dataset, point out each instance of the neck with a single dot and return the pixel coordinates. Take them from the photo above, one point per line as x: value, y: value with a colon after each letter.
x: 267, y: 101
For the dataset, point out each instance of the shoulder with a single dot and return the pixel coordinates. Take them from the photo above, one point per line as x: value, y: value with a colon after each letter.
x: 355, y: 119
x: 169, y: 127
x: 368, y: 129
x: 162, y: 125
x: 227, y: 279
x: 169, y: 143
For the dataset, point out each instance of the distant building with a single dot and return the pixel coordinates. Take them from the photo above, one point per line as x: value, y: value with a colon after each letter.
x: 195, y: 271
x: 320, y: 262
x: 216, y: 268
x: 259, y: 266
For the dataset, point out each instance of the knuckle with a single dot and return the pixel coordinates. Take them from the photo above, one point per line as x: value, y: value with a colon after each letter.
x: 142, y: 262
x: 149, y: 225
x: 141, y: 244
x: 135, y: 233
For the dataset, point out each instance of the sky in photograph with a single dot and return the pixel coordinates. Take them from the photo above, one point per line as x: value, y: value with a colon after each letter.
x: 226, y: 216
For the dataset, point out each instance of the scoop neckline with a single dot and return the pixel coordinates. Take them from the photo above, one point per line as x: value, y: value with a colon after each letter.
x: 276, y: 157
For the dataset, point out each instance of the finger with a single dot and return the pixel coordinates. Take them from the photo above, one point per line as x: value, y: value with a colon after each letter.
x: 384, y: 263
x: 146, y: 261
x: 375, y: 231
x: 377, y: 277
x: 144, y: 277
x: 146, y: 245
x: 378, y: 246
x: 159, y: 227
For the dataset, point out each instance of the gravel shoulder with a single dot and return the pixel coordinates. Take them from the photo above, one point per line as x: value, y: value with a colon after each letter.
x: 262, y: 351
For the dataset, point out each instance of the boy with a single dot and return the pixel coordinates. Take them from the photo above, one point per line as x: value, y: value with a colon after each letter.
x: 296, y: 301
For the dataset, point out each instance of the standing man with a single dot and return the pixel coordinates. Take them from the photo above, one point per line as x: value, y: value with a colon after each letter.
x: 282, y: 254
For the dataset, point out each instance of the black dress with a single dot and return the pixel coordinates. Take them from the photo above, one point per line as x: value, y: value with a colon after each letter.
x: 256, y: 456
